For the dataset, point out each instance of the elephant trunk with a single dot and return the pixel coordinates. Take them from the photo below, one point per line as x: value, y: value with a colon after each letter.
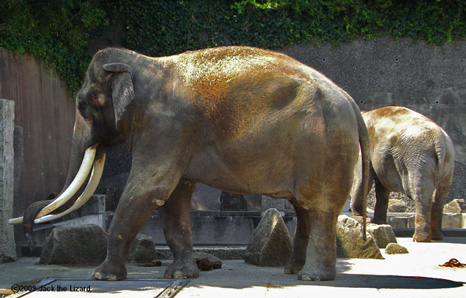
x: 81, y: 161
x: 67, y: 194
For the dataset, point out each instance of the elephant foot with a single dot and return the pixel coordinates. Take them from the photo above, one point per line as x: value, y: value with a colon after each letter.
x: 325, y: 274
x: 379, y: 221
x: 182, y: 269
x: 294, y: 267
x: 422, y: 237
x: 107, y: 271
x: 437, y: 235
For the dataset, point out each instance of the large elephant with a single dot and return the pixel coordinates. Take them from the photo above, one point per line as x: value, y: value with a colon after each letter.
x: 240, y: 119
x: 409, y: 154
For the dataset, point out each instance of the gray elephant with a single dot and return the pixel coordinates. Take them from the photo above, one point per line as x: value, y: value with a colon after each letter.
x: 409, y: 154
x: 240, y: 119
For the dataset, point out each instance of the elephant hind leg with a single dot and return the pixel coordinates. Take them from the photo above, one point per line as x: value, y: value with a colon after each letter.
x: 177, y: 228
x: 440, y: 198
x: 423, y: 205
x: 321, y: 250
x: 382, y: 195
x: 319, y: 222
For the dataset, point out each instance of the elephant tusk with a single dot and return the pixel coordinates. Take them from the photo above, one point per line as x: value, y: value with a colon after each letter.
x: 78, y: 181
x: 15, y: 221
x: 84, y: 197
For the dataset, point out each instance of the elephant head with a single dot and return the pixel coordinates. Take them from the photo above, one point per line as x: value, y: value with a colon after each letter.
x: 102, y: 106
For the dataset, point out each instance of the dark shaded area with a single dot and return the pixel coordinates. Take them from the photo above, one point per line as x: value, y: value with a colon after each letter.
x: 165, y: 286
x: 396, y: 282
x: 232, y: 202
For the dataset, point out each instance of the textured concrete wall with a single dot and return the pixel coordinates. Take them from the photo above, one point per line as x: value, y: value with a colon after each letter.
x: 45, y: 110
x: 428, y: 79
x: 7, y: 127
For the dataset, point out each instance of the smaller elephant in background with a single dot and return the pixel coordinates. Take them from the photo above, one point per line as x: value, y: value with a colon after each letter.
x: 409, y: 154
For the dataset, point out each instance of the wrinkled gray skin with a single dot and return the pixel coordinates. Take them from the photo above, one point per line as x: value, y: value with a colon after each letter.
x: 412, y: 155
x: 29, y: 216
x: 239, y: 119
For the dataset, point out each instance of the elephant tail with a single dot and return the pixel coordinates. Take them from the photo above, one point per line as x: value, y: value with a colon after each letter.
x: 366, y: 160
x: 440, y: 153
x: 445, y: 154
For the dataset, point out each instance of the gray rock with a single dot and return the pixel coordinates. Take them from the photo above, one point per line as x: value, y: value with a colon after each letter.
x: 75, y: 245
x: 7, y: 180
x: 402, y: 221
x: 232, y: 202
x: 395, y: 248
x: 395, y: 205
x: 206, y: 261
x: 455, y: 206
x: 382, y: 234
x: 350, y: 243
x: 142, y: 250
x: 270, y: 244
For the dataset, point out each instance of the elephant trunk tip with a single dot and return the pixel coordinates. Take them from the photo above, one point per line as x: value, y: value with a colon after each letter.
x: 30, y: 241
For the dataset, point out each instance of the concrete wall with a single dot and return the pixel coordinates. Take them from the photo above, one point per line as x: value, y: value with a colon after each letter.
x: 45, y: 111
x: 428, y: 79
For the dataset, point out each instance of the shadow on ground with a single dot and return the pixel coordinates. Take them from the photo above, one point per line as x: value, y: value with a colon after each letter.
x: 392, y: 282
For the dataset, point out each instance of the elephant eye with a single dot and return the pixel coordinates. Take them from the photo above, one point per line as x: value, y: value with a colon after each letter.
x: 82, y: 105
x: 95, y: 101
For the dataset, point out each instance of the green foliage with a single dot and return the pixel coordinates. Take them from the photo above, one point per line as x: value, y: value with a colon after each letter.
x: 338, y: 21
x: 59, y: 31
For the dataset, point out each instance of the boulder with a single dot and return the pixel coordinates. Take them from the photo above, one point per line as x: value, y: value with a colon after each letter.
x: 206, y: 261
x: 142, y: 250
x: 395, y: 248
x: 270, y: 244
x: 75, y: 245
x: 382, y: 234
x: 455, y: 206
x: 232, y: 202
x: 395, y: 205
x: 350, y: 243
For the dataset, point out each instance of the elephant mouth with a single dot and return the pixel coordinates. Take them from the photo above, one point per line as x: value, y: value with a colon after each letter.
x: 89, y: 162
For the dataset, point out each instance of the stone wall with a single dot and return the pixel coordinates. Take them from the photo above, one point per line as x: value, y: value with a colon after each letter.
x: 7, y: 127
x: 428, y: 79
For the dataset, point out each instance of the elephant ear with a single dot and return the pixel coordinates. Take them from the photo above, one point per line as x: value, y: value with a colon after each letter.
x: 122, y: 88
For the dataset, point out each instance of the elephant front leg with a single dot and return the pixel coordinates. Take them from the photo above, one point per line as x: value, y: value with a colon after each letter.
x: 129, y: 217
x: 176, y: 219
x: 382, y: 195
x: 300, y: 241
x: 143, y: 193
